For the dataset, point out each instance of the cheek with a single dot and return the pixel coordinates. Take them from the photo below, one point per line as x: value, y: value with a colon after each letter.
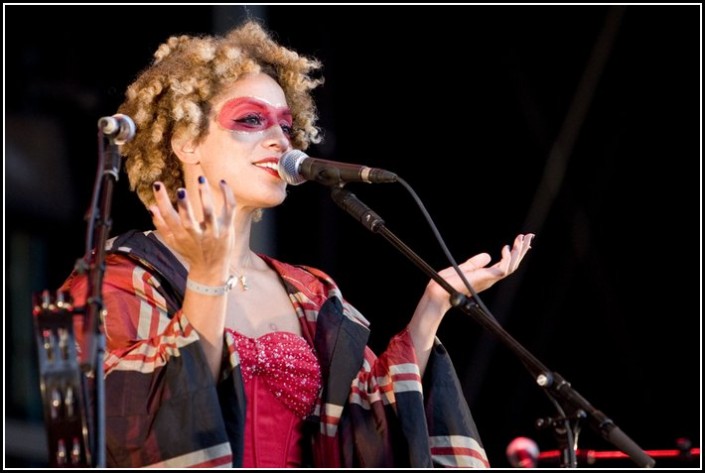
x: 246, y: 137
x: 253, y: 138
x: 226, y: 151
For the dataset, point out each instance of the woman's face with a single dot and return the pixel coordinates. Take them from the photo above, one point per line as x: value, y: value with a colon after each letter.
x: 249, y: 131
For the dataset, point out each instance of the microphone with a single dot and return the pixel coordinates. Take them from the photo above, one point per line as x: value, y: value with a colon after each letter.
x: 295, y: 167
x: 119, y: 127
x: 522, y: 452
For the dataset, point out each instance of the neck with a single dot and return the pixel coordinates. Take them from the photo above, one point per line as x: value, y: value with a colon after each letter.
x: 242, y: 257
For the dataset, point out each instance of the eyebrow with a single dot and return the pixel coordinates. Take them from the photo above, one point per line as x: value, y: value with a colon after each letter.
x: 257, y: 101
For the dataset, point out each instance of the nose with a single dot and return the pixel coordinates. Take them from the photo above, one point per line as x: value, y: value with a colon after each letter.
x: 275, y: 138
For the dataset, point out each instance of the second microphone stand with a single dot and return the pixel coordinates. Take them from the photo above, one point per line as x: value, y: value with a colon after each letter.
x: 572, y: 407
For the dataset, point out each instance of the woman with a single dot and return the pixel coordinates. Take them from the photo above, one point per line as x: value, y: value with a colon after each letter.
x: 217, y: 356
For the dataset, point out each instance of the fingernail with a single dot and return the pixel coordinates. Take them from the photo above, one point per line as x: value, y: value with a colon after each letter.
x: 151, y: 214
x: 181, y: 194
x: 222, y: 181
x: 157, y: 186
x: 201, y: 179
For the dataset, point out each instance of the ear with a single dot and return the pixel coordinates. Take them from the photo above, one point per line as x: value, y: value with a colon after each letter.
x: 185, y: 149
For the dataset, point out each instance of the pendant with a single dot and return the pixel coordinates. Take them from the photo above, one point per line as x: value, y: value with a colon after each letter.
x: 243, y: 282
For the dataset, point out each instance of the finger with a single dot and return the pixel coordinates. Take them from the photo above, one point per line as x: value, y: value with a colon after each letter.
x: 168, y: 215
x: 209, y: 220
x: 467, y: 266
x: 188, y: 221
x: 157, y: 218
x: 228, y: 212
x: 527, y: 243
x: 504, y: 265
x: 478, y: 261
x: 516, y: 253
x: 522, y: 248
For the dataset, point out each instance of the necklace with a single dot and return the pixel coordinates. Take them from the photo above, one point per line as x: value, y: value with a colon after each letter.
x: 241, y: 278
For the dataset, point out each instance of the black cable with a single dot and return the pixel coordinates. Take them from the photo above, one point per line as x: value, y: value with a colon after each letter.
x: 439, y: 238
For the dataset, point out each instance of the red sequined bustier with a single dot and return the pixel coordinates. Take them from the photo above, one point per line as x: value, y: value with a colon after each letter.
x: 282, y: 380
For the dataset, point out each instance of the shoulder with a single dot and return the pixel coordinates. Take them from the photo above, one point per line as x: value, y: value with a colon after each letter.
x: 306, y: 279
x: 120, y: 273
x: 313, y: 287
x: 134, y: 261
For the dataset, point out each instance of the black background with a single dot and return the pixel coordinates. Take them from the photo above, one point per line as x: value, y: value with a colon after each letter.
x: 466, y: 103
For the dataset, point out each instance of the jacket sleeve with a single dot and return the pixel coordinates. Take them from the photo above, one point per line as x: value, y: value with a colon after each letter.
x: 161, y: 404
x: 378, y: 409
x: 432, y: 415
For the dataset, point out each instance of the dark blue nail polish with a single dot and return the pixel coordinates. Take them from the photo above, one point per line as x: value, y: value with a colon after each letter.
x: 201, y: 180
x: 181, y: 194
x: 157, y: 186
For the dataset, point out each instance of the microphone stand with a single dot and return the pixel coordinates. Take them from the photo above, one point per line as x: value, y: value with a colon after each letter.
x: 571, y: 406
x: 92, y: 357
x: 72, y: 384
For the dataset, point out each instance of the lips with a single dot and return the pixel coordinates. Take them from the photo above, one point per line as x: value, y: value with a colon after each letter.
x: 270, y: 165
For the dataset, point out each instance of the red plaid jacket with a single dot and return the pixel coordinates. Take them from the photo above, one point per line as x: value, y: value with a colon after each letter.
x: 163, y: 408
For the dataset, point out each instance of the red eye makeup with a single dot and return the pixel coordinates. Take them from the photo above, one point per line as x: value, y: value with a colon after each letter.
x: 247, y: 114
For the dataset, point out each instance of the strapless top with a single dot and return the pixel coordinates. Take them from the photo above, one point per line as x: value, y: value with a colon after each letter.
x: 286, y: 364
x: 282, y: 379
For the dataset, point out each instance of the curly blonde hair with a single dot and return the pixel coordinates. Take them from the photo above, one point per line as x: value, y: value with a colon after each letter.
x: 173, y: 97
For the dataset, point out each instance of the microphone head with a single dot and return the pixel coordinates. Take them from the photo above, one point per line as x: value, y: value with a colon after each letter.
x: 288, y: 167
x: 522, y: 452
x: 127, y: 129
x: 120, y: 128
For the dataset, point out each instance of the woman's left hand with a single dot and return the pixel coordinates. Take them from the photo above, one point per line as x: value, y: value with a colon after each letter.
x: 478, y: 273
x: 436, y: 300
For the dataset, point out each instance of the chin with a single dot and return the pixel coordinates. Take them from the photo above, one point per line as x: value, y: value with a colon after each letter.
x: 274, y: 200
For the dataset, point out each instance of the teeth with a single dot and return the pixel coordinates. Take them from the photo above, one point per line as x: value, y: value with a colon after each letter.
x: 269, y: 165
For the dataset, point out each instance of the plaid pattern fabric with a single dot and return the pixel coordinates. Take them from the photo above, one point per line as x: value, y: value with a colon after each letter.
x: 163, y: 408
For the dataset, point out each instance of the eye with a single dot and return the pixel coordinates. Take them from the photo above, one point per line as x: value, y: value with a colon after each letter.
x: 251, y: 119
x: 287, y: 129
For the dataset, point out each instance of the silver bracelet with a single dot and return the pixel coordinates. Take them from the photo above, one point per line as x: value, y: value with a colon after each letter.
x: 212, y: 290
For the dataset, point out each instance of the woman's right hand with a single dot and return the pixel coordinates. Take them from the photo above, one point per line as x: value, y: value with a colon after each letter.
x: 206, y: 245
